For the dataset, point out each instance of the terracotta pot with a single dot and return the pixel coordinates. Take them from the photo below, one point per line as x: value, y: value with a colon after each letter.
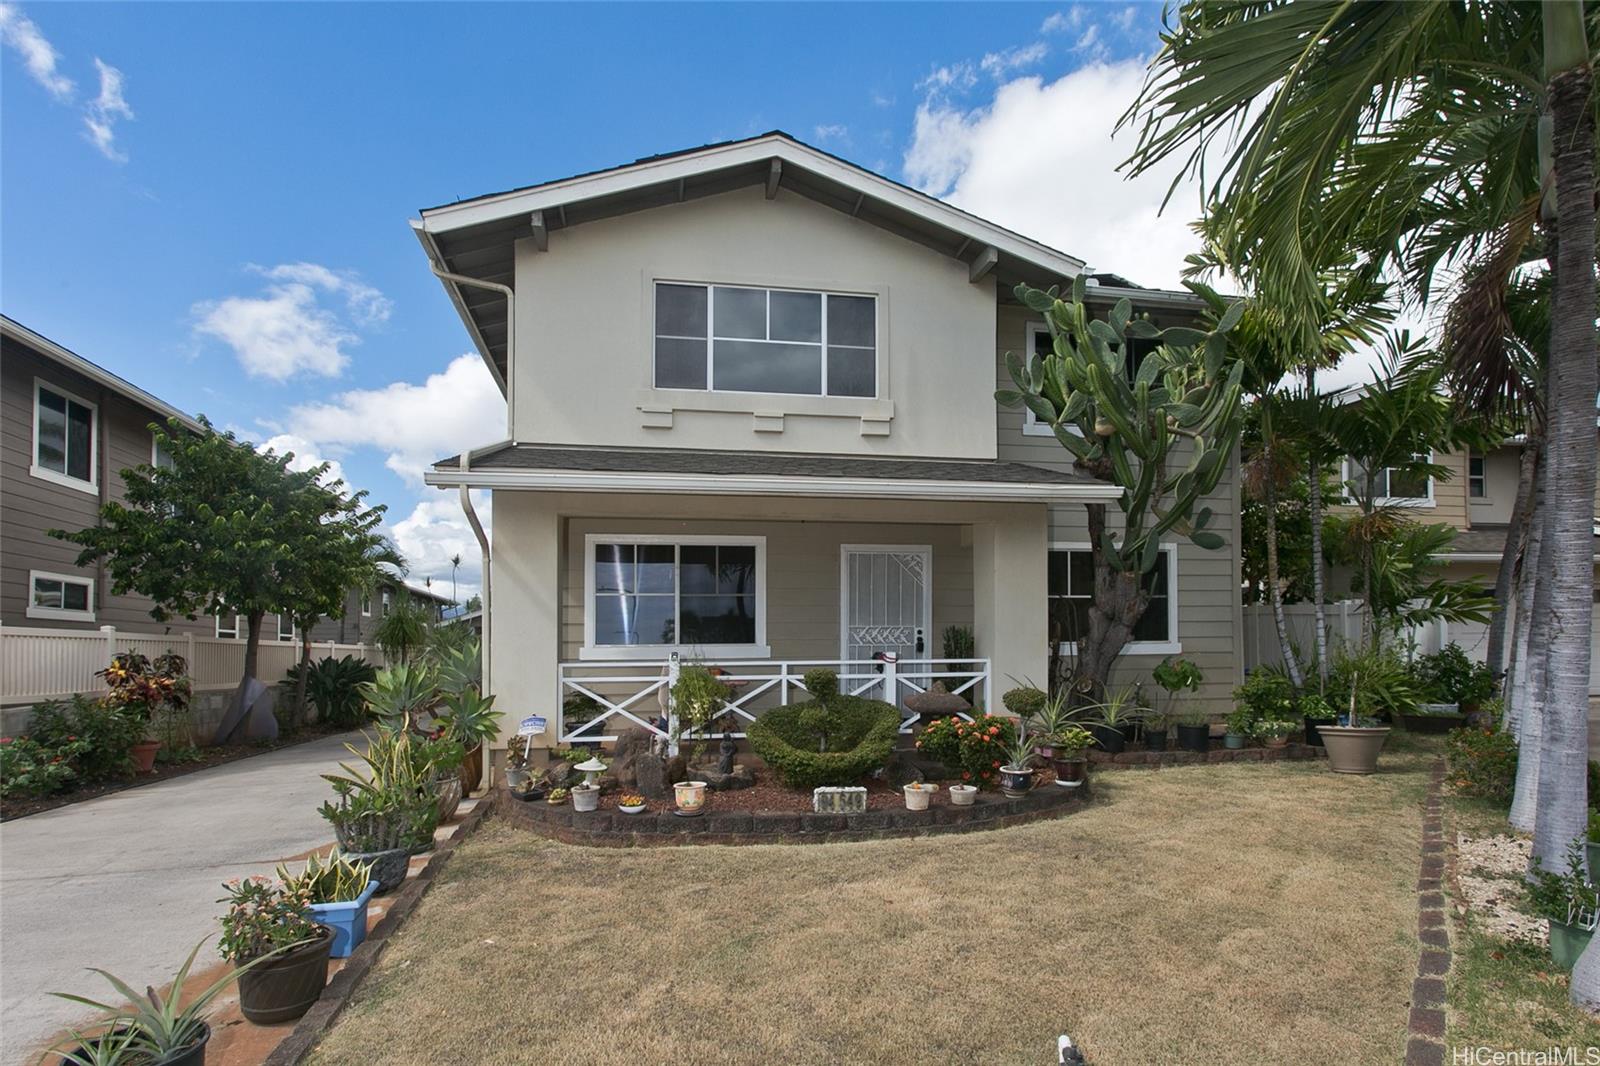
x: 144, y: 755
x: 284, y: 988
x: 1353, y: 749
x: 472, y: 771
x: 1276, y: 742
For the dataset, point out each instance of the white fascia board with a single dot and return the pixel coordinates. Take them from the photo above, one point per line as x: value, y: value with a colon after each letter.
x: 749, y: 485
x: 1476, y: 557
x: 1145, y: 297
x: 431, y: 250
x: 73, y: 361
x: 639, y: 175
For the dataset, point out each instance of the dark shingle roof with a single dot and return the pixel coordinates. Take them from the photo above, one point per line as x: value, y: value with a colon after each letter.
x: 1484, y: 540
x: 732, y: 463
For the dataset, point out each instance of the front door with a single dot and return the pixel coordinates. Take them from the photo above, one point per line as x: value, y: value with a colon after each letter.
x: 885, y: 601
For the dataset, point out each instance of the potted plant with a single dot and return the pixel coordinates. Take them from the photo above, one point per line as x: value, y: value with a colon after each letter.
x: 1242, y: 725
x: 1274, y: 732
x: 339, y: 891
x: 1316, y: 712
x: 1050, y: 719
x: 585, y: 797
x: 1016, y: 773
x: 690, y: 797
x: 1114, y: 720
x: 557, y: 797
x: 390, y: 805
x: 1355, y: 742
x: 270, y: 924
x: 519, y: 762
x: 470, y: 719
x: 140, y: 688
x: 1156, y: 727
x: 963, y: 795
x: 631, y: 803
x: 1194, y: 731
x: 1174, y: 676
x: 1071, y: 761
x: 1569, y: 903
x: 918, y: 793
x: 170, y: 1030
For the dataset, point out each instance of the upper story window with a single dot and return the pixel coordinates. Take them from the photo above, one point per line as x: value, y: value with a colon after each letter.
x: 1477, y: 479
x: 1040, y: 344
x: 1391, y: 485
x: 388, y: 600
x: 63, y: 437
x: 160, y: 456
x: 61, y: 596
x: 366, y: 605
x: 732, y: 339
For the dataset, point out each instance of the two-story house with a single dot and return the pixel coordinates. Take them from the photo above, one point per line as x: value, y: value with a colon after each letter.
x: 751, y: 422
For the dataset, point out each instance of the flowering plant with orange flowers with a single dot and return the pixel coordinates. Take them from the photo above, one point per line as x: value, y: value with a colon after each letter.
x: 973, y: 750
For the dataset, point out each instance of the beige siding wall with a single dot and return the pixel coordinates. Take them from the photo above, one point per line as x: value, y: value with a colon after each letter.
x: 586, y: 327
x: 29, y: 506
x: 1210, y: 619
x: 1502, y: 471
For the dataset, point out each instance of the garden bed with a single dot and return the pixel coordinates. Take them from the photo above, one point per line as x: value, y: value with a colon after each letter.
x: 205, y: 759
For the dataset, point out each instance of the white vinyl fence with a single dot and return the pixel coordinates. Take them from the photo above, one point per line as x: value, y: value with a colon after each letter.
x: 40, y: 664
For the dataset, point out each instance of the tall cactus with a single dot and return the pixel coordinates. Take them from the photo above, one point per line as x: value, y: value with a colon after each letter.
x: 1165, y: 438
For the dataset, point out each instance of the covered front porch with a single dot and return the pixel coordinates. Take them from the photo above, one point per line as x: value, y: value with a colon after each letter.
x: 604, y: 583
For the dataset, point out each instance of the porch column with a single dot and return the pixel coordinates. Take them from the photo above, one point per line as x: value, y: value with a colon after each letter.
x: 1009, y: 573
x: 524, y: 635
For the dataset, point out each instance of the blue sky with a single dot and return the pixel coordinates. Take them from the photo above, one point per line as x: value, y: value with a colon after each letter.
x: 212, y: 199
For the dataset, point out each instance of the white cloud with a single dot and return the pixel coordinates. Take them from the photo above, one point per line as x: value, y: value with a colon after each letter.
x: 102, y: 114
x: 1126, y: 18
x: 882, y: 100
x: 1089, y: 42
x: 435, y: 531
x: 1062, y: 21
x: 287, y: 331
x: 305, y: 456
x: 952, y: 78
x: 999, y: 64
x: 461, y: 407
x: 1040, y: 158
x: 38, y: 54
x: 831, y: 132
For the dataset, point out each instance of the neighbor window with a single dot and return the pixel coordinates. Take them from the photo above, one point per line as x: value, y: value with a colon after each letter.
x: 63, y: 437
x: 1071, y: 590
x: 228, y: 624
x: 1392, y: 485
x: 732, y: 339
x: 1477, y: 482
x: 366, y: 605
x: 160, y: 455
x: 388, y: 599
x: 60, y: 596
x: 1041, y: 344
x: 691, y: 593
x: 285, y: 627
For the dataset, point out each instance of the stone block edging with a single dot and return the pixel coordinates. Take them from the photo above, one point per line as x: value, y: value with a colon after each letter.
x: 1425, y: 1024
x: 336, y: 994
x: 658, y: 828
x: 1155, y: 760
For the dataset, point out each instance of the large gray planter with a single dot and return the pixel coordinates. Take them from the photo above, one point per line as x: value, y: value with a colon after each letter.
x: 388, y: 867
x: 1353, y: 749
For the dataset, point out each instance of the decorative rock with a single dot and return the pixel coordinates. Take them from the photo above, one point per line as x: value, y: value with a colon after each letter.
x: 718, y: 781
x: 834, y: 800
x: 560, y: 775
x: 631, y: 743
x: 936, y: 701
x: 650, y: 775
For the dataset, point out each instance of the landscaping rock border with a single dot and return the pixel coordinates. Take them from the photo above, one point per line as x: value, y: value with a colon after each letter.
x: 336, y: 994
x: 1425, y: 1027
x: 1155, y: 760
x: 607, y: 828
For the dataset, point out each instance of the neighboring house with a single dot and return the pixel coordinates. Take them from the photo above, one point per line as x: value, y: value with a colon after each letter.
x: 67, y: 430
x: 752, y: 422
x: 365, y: 608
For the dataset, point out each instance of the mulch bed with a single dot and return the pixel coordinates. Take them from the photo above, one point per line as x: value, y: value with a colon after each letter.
x: 208, y: 757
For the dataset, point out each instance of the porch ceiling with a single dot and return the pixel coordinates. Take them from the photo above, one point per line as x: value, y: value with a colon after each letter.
x: 678, y: 470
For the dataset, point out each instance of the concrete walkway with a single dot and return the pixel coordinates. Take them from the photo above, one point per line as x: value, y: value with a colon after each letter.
x: 129, y: 882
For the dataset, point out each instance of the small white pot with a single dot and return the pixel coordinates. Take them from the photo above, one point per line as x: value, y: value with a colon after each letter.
x: 917, y: 796
x: 691, y: 796
x: 585, y: 797
x: 963, y: 795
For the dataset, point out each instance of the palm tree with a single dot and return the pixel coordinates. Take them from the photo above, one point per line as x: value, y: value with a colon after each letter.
x: 455, y: 564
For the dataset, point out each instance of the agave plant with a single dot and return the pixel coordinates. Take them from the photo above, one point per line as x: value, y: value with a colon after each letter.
x: 399, y: 695
x: 1019, y: 752
x: 470, y: 717
x: 1053, y: 718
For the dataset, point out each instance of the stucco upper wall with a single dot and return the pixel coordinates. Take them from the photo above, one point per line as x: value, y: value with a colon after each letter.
x: 582, y: 370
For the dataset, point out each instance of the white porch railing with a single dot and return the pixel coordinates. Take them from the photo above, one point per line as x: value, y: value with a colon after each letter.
x: 37, y: 663
x: 639, y: 691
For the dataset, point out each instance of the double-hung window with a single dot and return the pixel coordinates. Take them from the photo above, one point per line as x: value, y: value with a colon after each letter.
x: 63, y: 438
x: 726, y: 338
x: 285, y: 627
x: 1392, y: 485
x: 698, y: 595
x: 1071, y: 590
x: 1477, y: 479
x: 228, y: 624
x: 1041, y: 344
x: 60, y: 596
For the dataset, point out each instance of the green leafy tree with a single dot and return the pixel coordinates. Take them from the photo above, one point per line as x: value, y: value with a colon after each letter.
x: 1165, y: 437
x: 220, y: 529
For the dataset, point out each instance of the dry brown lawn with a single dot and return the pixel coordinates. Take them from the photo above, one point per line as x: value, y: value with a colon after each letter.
x: 1228, y: 914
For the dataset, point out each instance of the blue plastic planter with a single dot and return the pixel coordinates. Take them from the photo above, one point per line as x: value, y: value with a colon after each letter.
x: 348, y: 920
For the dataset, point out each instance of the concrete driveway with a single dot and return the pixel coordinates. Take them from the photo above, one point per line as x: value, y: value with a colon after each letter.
x: 129, y: 882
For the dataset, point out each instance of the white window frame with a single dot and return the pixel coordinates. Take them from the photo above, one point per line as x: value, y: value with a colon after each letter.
x: 711, y: 337
x: 387, y: 598
x: 1482, y: 479
x: 60, y: 614
x: 366, y: 605
x: 590, y: 650
x: 1346, y: 475
x: 92, y: 486
x: 231, y: 633
x: 279, y: 631
x: 155, y: 454
x: 1173, y: 646
x: 1031, y: 426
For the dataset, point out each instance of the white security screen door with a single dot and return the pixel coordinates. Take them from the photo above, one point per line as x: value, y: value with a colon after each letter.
x: 886, y: 601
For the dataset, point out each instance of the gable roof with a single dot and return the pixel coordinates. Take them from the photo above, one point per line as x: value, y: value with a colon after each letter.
x: 475, y: 237
x: 10, y: 327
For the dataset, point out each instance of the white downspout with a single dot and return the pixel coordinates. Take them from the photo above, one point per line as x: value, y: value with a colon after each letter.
x: 486, y: 615
x: 511, y: 334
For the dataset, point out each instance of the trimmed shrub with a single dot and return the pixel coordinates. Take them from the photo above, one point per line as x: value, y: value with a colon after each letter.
x: 1025, y: 701
x: 1483, y: 763
x: 830, y: 740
